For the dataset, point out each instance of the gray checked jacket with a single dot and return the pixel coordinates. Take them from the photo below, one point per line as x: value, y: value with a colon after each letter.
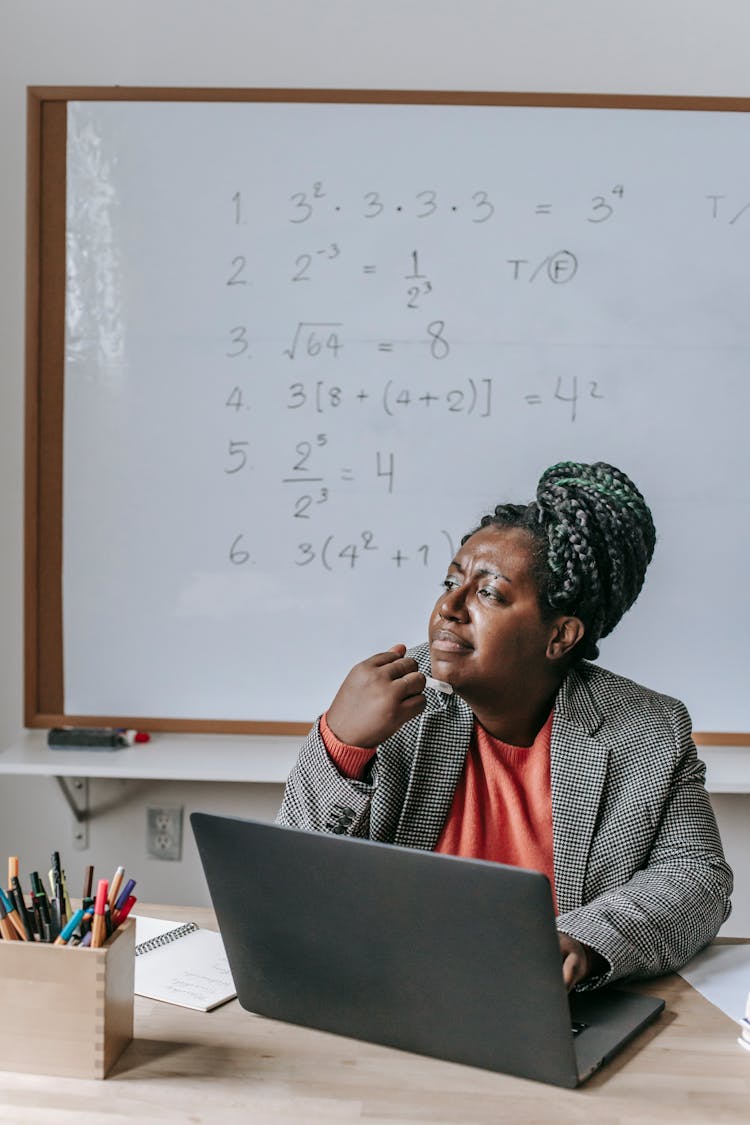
x: 640, y: 874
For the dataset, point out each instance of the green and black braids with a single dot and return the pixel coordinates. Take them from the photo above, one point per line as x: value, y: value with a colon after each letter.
x: 594, y: 538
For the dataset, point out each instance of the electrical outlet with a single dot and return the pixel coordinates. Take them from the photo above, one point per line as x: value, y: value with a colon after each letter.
x: 164, y: 832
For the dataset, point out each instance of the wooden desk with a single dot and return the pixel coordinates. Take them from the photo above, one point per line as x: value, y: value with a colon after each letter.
x: 229, y: 1066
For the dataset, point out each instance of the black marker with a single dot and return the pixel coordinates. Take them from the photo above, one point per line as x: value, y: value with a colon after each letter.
x: 16, y: 893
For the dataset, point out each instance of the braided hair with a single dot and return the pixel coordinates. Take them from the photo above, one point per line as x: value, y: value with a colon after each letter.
x: 593, y: 538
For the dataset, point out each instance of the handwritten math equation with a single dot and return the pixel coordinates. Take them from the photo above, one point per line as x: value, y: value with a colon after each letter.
x: 477, y: 205
x: 325, y: 358
x: 356, y: 551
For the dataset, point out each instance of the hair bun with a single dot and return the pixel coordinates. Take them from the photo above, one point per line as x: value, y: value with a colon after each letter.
x: 601, y: 538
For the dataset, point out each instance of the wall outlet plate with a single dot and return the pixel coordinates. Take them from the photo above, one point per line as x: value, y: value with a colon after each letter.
x: 164, y: 832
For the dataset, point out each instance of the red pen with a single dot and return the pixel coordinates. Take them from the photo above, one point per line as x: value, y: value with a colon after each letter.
x: 121, y: 915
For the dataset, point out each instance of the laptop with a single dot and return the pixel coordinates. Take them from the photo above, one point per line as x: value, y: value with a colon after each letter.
x: 449, y: 957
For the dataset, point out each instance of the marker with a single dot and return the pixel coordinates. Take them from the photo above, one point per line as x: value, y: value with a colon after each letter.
x: 12, y: 913
x: 59, y: 887
x: 124, y: 895
x: 40, y: 903
x: 84, y: 928
x: 44, y: 923
x: 438, y: 685
x: 67, y: 930
x: 57, y: 898
x: 88, y: 880
x: 16, y: 893
x: 66, y: 897
x: 6, y: 930
x: 125, y: 910
x: 99, y: 929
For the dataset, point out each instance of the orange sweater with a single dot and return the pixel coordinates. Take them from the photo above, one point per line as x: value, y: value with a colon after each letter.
x: 502, y: 807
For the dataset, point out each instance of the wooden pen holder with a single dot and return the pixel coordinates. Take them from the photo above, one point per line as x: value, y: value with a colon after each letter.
x: 67, y: 1011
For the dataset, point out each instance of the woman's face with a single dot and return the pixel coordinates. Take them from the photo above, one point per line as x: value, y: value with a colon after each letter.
x: 486, y: 631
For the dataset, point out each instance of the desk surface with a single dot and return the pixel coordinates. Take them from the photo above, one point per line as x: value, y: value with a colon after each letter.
x: 230, y: 1066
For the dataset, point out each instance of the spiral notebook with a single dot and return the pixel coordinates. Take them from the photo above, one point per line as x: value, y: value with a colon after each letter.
x: 180, y: 963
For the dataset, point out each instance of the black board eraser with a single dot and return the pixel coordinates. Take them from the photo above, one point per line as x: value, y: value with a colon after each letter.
x: 87, y: 738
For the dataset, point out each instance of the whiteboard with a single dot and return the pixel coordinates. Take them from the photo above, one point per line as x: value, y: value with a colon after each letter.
x: 308, y: 345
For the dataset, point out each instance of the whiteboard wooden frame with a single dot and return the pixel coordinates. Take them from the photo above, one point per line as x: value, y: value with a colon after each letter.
x: 45, y: 333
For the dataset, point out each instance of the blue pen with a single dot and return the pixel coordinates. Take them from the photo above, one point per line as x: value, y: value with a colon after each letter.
x: 126, y: 892
x: 67, y: 930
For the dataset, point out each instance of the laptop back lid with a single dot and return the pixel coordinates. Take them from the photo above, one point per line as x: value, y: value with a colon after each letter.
x: 449, y: 957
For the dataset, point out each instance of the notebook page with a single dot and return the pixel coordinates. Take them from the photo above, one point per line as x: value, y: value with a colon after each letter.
x: 191, y: 971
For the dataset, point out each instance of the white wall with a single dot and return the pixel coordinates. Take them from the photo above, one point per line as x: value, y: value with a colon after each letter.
x: 669, y: 47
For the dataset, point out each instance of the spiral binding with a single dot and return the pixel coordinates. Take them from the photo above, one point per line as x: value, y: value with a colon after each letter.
x: 165, y: 939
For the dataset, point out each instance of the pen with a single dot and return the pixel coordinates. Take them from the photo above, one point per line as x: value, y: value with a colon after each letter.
x: 38, y: 924
x: 88, y: 880
x: 12, y: 913
x: 123, y: 912
x: 67, y: 931
x: 6, y: 930
x: 44, y: 923
x: 56, y: 902
x: 114, y: 888
x: 99, y: 928
x: 125, y: 893
x: 12, y: 869
x: 23, y: 912
x: 56, y: 919
x: 41, y: 908
x: 82, y: 929
x: 58, y: 892
x: 66, y: 897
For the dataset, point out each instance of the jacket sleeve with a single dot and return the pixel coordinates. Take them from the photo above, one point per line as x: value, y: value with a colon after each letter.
x: 318, y: 797
x: 674, y: 905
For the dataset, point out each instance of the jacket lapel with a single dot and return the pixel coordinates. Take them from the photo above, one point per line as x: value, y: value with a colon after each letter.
x: 578, y: 769
x: 436, y: 769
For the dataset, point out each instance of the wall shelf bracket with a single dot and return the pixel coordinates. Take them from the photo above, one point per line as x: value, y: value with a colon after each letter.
x: 75, y: 790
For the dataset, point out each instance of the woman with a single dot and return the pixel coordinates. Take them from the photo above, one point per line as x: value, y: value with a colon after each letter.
x: 532, y: 755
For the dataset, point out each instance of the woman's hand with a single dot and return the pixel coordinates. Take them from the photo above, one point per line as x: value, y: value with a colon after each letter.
x: 376, y: 698
x: 579, y: 961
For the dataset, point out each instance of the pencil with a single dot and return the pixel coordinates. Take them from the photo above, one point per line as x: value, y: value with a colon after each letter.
x: 6, y: 930
x: 114, y: 888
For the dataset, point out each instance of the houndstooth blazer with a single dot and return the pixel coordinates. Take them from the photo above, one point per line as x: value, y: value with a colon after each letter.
x: 640, y: 874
